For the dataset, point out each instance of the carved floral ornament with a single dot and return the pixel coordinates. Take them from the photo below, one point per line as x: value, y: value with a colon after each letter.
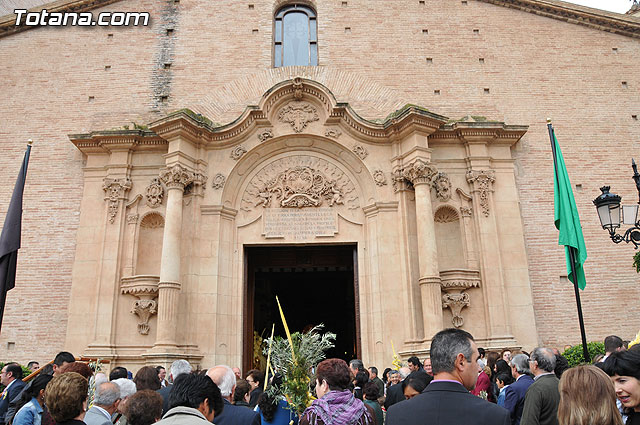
x: 298, y: 114
x: 145, y: 288
x: 237, y: 152
x: 454, y: 283
x: 218, y: 181
x: 442, y: 185
x: 379, y: 177
x: 334, y: 133
x: 360, y: 151
x: 265, y: 135
x: 482, y: 181
x: 115, y: 190
x: 177, y: 176
x: 419, y: 171
x: 155, y: 193
x: 299, y: 182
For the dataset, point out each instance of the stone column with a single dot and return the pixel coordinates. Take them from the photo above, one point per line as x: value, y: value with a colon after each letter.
x: 175, y: 177
x: 421, y: 173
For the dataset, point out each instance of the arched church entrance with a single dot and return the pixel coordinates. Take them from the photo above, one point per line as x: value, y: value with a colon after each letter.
x: 315, y: 284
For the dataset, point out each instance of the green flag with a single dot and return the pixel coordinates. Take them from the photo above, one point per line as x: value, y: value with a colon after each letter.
x: 567, y: 220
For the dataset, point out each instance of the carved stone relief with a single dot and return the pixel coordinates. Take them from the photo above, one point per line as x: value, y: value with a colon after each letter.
x: 144, y: 309
x: 265, y: 135
x: 482, y: 184
x: 400, y: 184
x: 237, y: 152
x: 155, y: 193
x: 333, y: 132
x: 419, y: 171
x: 218, y: 181
x: 145, y: 288
x: 445, y: 215
x: 132, y: 218
x: 442, y: 185
x: 360, y: 151
x: 152, y: 221
x: 454, y: 283
x: 379, y: 178
x: 115, y: 190
x: 465, y: 211
x: 177, y: 176
x: 298, y: 114
x: 456, y: 302
x: 298, y: 182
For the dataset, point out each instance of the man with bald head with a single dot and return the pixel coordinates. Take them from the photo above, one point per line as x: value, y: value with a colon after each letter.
x: 105, y: 404
x: 225, y: 379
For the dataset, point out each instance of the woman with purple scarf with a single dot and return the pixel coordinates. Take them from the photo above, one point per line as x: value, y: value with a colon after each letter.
x: 336, y: 404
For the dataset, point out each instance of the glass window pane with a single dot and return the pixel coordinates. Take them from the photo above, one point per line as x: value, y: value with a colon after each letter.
x: 312, y: 30
x: 296, y: 39
x: 278, y: 36
x: 314, y: 55
x: 277, y: 55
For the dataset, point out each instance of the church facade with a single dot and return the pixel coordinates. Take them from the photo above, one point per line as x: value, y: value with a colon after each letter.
x: 396, y: 181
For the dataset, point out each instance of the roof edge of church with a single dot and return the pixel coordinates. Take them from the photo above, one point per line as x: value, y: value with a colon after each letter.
x: 616, y: 23
x: 603, y: 20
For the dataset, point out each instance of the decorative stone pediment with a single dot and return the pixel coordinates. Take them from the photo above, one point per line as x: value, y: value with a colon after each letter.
x: 298, y: 182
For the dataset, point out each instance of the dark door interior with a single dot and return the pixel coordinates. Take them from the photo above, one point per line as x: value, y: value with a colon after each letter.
x: 315, y: 284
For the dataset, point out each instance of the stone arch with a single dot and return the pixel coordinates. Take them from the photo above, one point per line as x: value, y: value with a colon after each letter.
x: 314, y: 145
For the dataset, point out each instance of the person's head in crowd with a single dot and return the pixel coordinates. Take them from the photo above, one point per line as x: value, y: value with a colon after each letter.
x: 502, y: 367
x: 385, y: 375
x: 373, y: 372
x: 503, y: 379
x: 10, y: 372
x: 542, y: 360
x: 612, y: 344
x: 332, y: 375
x: 492, y: 358
x: 481, y: 353
x: 255, y: 378
x: 33, y: 365
x: 356, y: 366
x: 46, y: 369
x: 66, y: 397
x: 198, y: 391
x: 394, y: 377
x: 36, y: 389
x: 624, y: 369
x: 427, y: 366
x: 241, y: 393
x: 587, y: 397
x: 147, y: 379
x: 77, y: 367
x: 179, y: 367
x: 361, y: 379
x: 99, y: 378
x: 414, y: 384
x: 404, y: 372
x: 61, y: 359
x: 562, y: 364
x: 127, y: 389
x: 454, y: 356
x: 162, y: 373
x: 506, y: 355
x: 225, y: 379
x: 107, y: 396
x: 143, y: 408
x: 237, y: 372
x: 414, y: 363
x: 520, y: 365
x: 117, y: 373
x: 371, y: 391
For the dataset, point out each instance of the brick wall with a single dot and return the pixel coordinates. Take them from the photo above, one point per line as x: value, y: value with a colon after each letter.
x: 57, y: 81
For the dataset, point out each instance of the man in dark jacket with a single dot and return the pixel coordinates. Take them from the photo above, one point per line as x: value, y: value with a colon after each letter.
x: 11, y: 378
x: 225, y: 379
x: 447, y: 400
x: 543, y: 397
x: 514, y: 393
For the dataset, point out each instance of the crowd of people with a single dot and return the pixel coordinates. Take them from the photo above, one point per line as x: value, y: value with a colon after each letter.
x: 459, y: 383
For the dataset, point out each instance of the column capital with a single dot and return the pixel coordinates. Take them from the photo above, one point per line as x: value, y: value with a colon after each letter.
x: 176, y: 176
x: 114, y: 191
x: 482, y: 181
x: 419, y: 171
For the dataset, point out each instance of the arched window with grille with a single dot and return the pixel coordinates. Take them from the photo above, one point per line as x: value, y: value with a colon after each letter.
x: 295, y: 36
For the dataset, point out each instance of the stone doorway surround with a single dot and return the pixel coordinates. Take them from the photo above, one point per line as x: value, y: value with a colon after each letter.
x: 431, y: 204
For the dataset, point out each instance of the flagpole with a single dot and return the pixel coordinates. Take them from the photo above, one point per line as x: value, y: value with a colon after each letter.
x: 572, y: 256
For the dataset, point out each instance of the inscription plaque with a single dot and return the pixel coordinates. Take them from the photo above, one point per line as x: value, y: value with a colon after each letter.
x: 299, y: 224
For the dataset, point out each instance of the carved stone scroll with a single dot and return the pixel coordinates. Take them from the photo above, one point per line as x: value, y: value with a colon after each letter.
x: 144, y: 309
x: 298, y: 114
x: 218, y: 181
x: 334, y: 133
x: 237, y: 152
x: 297, y: 182
x: 454, y: 283
x: 115, y: 190
x: 379, y: 177
x: 442, y: 185
x: 456, y: 302
x: 177, y: 176
x: 155, y: 193
x: 145, y: 288
x: 482, y: 181
x: 265, y: 135
x: 360, y: 151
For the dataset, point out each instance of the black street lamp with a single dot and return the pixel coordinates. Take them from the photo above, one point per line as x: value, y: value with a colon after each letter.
x: 608, y: 206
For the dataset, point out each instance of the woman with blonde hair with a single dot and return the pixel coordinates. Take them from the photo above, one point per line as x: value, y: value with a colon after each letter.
x: 587, y: 397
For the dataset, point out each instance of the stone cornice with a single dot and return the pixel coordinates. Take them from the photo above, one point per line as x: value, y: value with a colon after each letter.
x: 110, y: 140
x: 8, y: 22
x: 484, y: 132
x: 593, y: 18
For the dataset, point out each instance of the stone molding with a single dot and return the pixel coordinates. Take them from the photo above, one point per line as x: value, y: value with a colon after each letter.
x: 145, y: 288
x: 177, y: 177
x: 482, y: 181
x: 115, y: 190
x: 154, y: 193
